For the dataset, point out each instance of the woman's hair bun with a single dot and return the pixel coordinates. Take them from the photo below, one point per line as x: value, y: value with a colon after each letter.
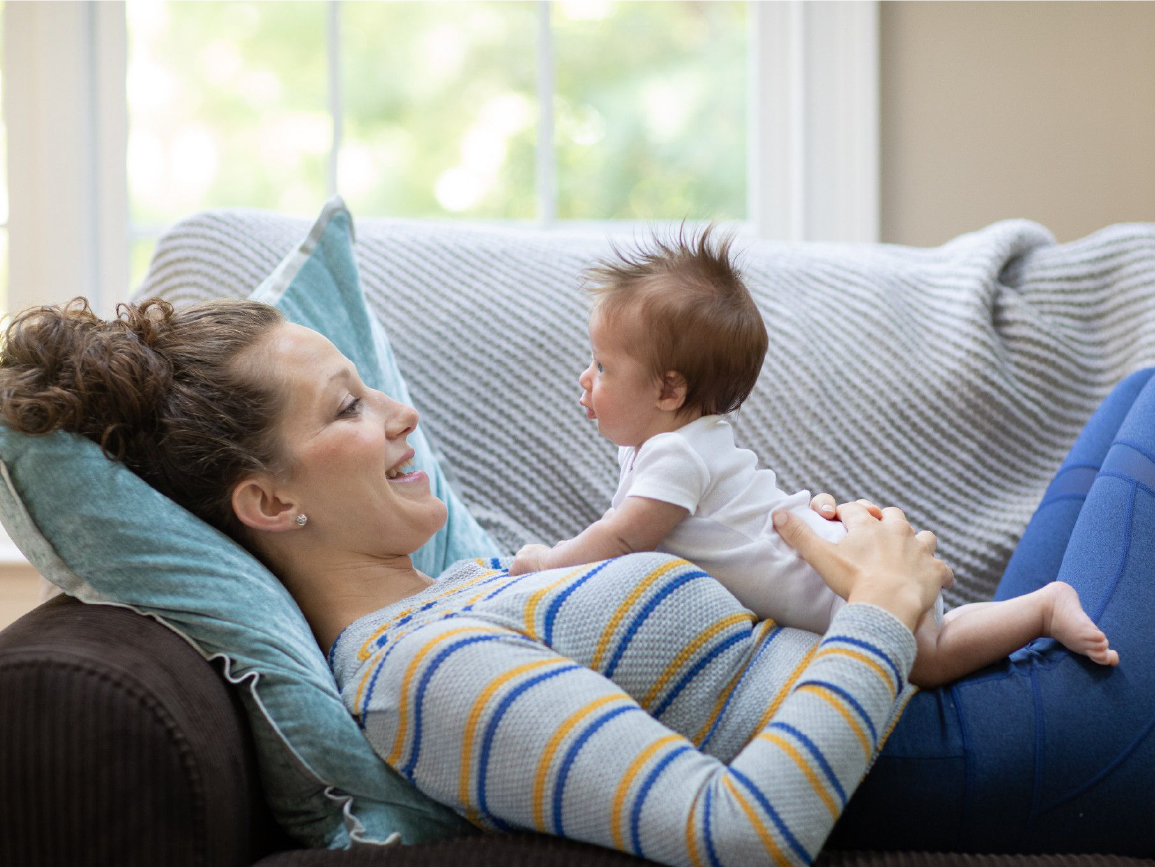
x: 65, y: 368
x: 159, y: 389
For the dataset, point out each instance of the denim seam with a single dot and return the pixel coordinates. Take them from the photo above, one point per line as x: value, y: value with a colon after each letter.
x: 1128, y: 519
x: 1059, y: 497
x: 1040, y: 748
x: 1132, y: 445
x: 1103, y: 773
x: 968, y: 769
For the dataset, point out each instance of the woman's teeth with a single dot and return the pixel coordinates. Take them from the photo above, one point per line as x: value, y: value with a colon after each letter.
x: 401, y: 470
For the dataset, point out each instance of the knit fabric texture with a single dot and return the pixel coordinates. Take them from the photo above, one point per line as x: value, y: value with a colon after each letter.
x: 632, y: 703
x: 949, y: 381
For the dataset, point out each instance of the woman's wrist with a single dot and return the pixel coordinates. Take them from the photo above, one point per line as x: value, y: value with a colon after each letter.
x: 899, y: 599
x: 881, y: 628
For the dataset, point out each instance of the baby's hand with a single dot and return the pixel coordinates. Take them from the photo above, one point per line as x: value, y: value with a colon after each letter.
x: 529, y: 559
x: 825, y: 506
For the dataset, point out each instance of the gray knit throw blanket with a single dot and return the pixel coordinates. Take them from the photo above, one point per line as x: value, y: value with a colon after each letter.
x: 948, y: 381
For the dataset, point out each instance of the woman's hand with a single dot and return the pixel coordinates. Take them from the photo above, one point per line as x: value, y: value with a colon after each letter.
x: 825, y: 506
x: 529, y: 559
x: 881, y: 561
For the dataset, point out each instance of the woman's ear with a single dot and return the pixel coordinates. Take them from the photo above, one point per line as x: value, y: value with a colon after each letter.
x: 673, y: 392
x: 257, y: 505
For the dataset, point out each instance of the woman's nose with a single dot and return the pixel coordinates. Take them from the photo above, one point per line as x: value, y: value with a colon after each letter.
x: 400, y: 418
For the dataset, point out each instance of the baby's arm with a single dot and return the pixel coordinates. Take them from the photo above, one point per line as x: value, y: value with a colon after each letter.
x: 639, y: 524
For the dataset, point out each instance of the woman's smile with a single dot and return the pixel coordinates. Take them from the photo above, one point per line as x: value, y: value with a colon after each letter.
x: 402, y: 470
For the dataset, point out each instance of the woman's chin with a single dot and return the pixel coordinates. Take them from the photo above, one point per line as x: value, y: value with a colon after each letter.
x: 438, y: 516
x: 444, y: 515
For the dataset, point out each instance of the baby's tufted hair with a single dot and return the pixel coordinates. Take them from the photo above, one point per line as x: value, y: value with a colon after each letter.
x: 686, y: 308
x: 168, y: 392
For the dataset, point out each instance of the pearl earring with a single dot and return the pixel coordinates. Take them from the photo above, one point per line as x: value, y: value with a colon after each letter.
x: 302, y: 519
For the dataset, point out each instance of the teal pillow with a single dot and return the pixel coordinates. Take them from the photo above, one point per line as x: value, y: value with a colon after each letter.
x: 92, y: 527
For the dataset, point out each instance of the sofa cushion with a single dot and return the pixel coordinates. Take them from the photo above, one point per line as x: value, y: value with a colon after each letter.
x: 99, y: 532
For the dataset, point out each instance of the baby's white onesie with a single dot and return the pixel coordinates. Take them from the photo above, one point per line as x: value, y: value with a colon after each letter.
x: 728, y: 531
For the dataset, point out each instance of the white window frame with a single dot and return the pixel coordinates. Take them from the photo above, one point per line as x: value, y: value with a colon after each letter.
x: 813, y: 172
x: 66, y: 115
x: 814, y: 146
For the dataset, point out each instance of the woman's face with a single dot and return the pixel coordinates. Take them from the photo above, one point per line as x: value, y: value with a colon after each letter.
x: 348, y: 453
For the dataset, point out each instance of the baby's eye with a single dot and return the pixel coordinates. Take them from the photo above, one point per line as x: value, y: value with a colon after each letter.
x: 601, y: 369
x: 351, y: 408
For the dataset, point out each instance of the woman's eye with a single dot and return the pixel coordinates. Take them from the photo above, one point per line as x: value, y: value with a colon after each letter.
x: 351, y: 408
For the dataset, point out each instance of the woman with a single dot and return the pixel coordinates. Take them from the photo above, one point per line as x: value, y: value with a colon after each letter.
x: 629, y: 703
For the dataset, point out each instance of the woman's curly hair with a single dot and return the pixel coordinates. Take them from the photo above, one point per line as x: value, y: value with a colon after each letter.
x: 165, y: 391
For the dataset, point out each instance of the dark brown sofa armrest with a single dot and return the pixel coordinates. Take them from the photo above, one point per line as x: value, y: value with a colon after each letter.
x: 120, y: 744
x: 490, y: 850
x: 534, y: 850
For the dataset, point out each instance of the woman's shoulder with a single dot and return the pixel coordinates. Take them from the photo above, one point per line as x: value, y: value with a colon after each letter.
x: 470, y: 567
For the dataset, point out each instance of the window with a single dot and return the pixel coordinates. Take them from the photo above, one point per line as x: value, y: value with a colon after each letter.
x: 3, y: 180
x: 125, y: 116
x: 485, y: 110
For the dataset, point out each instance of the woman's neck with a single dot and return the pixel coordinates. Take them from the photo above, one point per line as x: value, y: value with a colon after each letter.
x: 332, y: 592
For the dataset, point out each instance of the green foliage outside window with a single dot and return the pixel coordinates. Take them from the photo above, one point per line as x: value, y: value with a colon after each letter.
x: 229, y: 106
x: 440, y: 109
x: 651, y: 111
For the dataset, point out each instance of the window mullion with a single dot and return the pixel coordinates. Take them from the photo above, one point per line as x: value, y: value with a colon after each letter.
x: 776, y: 177
x: 546, y: 165
x: 110, y: 215
x: 814, y: 153
x: 336, y: 94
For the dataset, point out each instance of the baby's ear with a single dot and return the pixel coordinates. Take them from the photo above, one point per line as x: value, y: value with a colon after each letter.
x: 673, y: 393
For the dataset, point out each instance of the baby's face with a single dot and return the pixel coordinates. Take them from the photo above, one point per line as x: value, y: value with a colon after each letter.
x: 618, y: 391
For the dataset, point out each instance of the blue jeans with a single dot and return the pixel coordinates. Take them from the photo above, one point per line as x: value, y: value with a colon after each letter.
x: 1045, y: 751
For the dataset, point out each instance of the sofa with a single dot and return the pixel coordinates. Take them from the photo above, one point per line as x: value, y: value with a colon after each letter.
x: 121, y: 744
x: 162, y: 771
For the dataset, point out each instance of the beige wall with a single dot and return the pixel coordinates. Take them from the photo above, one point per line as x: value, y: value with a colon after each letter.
x: 21, y: 590
x: 1043, y: 110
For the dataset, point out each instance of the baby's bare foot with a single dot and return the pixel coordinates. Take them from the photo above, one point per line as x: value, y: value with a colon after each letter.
x: 1068, y: 623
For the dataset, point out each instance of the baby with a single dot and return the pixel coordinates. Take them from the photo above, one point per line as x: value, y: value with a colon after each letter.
x: 677, y: 343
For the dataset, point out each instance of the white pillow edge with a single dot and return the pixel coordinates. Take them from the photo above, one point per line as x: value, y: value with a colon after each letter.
x: 277, y: 283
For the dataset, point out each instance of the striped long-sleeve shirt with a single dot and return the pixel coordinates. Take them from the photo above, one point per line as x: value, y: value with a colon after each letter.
x: 633, y: 703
